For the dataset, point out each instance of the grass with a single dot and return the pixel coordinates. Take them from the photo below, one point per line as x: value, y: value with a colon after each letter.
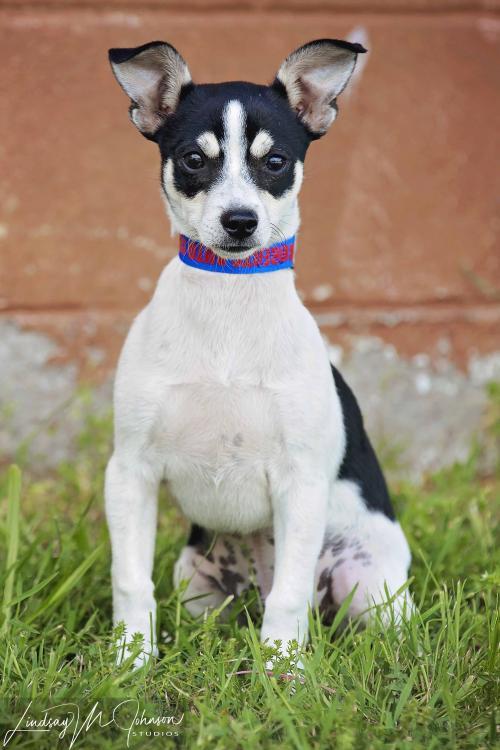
x: 435, y: 685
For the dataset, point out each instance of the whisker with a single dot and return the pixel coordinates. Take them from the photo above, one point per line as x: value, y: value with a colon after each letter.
x: 279, y: 234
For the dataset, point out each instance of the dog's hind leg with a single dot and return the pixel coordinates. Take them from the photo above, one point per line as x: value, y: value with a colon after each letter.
x: 215, y: 567
x: 364, y: 545
x: 212, y: 568
x: 363, y: 548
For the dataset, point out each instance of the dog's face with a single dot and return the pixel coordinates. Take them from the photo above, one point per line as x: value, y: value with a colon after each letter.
x: 232, y: 153
x: 232, y: 166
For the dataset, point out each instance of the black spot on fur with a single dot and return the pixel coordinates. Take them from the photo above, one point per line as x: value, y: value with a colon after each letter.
x: 361, y: 556
x: 230, y: 580
x: 231, y: 557
x: 327, y: 606
x: 335, y: 544
x: 338, y: 546
x: 324, y: 579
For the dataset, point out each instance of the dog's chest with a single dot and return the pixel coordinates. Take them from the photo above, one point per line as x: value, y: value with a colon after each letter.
x: 235, y: 380
x: 219, y: 443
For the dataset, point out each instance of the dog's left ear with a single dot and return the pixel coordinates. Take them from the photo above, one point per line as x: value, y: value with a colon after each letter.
x: 313, y: 76
x: 152, y: 75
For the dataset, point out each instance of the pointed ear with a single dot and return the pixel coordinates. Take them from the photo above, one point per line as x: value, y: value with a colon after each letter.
x: 152, y: 76
x: 313, y: 76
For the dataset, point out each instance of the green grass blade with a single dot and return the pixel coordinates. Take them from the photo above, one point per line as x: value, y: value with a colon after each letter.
x: 33, y: 590
x: 13, y: 522
x: 68, y: 584
x: 405, y: 694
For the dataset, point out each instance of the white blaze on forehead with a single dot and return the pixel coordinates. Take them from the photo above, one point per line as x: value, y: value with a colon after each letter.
x: 261, y: 144
x: 209, y: 144
x: 234, y: 138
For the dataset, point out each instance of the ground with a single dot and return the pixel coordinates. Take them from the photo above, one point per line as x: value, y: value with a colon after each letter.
x: 432, y: 685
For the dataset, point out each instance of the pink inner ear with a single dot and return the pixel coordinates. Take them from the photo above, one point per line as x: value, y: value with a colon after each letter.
x: 146, y: 118
x: 313, y: 107
x: 307, y: 96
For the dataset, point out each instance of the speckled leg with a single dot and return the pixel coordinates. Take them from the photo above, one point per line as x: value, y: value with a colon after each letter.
x: 365, y: 549
x: 217, y: 567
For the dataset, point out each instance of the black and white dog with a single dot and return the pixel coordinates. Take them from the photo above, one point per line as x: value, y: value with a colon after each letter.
x: 224, y: 387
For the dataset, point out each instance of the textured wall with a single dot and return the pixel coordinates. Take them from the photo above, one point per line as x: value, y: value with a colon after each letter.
x: 400, y: 227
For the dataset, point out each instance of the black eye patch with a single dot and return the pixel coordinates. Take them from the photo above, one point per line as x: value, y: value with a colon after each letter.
x: 273, y: 172
x: 194, y: 171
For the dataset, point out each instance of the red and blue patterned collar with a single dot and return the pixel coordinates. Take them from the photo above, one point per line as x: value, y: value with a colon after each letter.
x: 265, y: 259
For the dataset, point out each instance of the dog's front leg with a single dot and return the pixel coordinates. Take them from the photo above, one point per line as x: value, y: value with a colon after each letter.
x: 131, y: 506
x: 299, y: 528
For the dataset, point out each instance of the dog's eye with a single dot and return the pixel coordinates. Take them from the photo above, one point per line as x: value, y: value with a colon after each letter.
x: 275, y: 162
x: 193, y: 161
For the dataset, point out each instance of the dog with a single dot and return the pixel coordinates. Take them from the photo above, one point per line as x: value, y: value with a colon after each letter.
x: 224, y: 388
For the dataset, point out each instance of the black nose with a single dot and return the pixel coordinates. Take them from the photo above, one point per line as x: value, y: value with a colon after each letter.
x: 239, y: 224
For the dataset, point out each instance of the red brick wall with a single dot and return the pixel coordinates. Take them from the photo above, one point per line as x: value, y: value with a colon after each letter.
x: 400, y: 226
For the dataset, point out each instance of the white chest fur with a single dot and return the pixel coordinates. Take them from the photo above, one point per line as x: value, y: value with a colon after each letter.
x: 224, y: 383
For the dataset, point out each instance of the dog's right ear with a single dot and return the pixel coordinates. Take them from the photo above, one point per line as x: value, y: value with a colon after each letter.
x: 313, y: 76
x: 152, y: 75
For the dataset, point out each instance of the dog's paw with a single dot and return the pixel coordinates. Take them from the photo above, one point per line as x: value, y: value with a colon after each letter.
x: 283, y: 656
x: 143, y: 649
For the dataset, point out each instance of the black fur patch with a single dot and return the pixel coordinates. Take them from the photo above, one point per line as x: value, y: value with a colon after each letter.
x: 119, y: 55
x: 230, y: 580
x: 360, y: 464
x: 197, y: 536
x: 351, y: 46
x: 327, y: 606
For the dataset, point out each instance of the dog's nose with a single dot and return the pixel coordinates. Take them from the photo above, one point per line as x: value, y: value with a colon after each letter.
x: 240, y: 223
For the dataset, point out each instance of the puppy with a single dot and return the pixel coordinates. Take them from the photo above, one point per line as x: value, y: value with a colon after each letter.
x: 224, y: 388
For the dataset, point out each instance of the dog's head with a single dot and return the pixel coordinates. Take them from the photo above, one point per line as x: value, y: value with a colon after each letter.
x: 232, y: 153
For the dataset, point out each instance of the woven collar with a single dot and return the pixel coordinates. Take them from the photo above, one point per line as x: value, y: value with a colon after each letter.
x: 266, y: 259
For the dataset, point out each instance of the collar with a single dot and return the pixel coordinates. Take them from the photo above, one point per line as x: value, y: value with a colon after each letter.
x: 266, y: 259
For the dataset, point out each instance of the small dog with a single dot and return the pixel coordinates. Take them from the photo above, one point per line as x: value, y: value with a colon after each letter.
x: 224, y: 387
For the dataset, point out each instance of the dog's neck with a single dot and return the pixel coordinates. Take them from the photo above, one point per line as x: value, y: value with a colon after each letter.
x: 264, y: 260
